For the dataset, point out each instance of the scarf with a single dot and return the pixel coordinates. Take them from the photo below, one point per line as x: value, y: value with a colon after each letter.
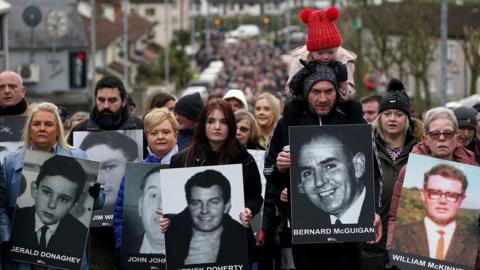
x: 16, y: 109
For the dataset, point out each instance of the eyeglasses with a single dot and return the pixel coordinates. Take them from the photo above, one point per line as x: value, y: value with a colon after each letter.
x: 243, y: 129
x: 435, y: 194
x: 448, y: 134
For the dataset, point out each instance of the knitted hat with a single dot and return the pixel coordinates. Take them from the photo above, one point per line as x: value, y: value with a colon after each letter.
x: 395, y: 98
x: 309, y: 75
x: 238, y: 95
x: 466, y: 117
x: 321, y: 31
x: 189, y: 106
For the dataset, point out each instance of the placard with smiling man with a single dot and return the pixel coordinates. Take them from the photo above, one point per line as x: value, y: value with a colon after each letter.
x: 332, y: 184
x: 204, y: 230
x: 53, y: 230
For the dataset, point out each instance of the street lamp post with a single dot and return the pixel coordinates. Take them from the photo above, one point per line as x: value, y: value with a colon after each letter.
x: 93, y: 43
x: 444, y: 37
x: 167, y: 46
x: 125, y: 42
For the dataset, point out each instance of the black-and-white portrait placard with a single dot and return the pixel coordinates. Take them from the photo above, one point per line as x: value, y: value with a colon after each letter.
x: 203, y: 205
x: 331, y: 184
x: 437, y: 220
x: 113, y: 149
x: 143, y: 243
x: 50, y: 223
x: 259, y: 156
x: 11, y: 131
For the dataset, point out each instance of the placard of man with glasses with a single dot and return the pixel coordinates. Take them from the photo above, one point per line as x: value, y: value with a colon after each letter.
x: 438, y: 235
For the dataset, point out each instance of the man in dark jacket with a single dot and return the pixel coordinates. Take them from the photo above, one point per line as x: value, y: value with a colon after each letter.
x: 12, y: 94
x: 110, y: 112
x: 318, y: 85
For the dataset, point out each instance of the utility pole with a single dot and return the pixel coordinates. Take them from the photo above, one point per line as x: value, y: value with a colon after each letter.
x: 288, y: 19
x: 125, y: 42
x: 93, y: 42
x: 444, y: 37
x: 167, y: 45
x: 207, y: 30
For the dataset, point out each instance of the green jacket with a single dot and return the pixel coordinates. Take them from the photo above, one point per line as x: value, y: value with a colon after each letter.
x: 390, y: 171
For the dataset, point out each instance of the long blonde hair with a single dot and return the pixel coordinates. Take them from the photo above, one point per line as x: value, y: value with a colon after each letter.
x: 45, y: 107
x: 275, y: 107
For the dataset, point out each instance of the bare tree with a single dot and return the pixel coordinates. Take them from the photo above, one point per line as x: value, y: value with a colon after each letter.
x: 471, y: 50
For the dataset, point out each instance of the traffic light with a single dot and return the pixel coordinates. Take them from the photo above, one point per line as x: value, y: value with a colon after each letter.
x: 78, y: 69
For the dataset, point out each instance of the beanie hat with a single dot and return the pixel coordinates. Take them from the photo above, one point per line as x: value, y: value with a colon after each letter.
x: 466, y: 117
x: 189, y: 106
x: 395, y: 98
x: 237, y: 94
x: 309, y: 75
x: 321, y: 31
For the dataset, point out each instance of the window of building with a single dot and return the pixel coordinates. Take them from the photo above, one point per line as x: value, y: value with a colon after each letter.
x: 432, y: 86
x: 150, y: 12
x: 450, y: 86
x: 450, y: 52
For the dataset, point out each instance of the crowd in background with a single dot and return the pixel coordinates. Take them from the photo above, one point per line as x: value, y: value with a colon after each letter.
x: 248, y: 108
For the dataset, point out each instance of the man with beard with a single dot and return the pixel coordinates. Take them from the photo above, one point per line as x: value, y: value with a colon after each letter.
x: 111, y: 112
x: 12, y: 94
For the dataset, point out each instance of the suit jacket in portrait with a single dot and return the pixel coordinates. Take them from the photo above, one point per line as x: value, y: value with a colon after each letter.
x: 179, y: 234
x: 312, y: 216
x: 69, y: 237
x: 412, y: 238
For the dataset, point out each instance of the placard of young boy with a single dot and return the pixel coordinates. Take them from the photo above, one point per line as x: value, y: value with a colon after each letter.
x: 50, y: 224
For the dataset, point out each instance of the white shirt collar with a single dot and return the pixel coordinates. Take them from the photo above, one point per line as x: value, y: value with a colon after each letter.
x: 353, y: 213
x: 432, y: 235
x: 50, y: 232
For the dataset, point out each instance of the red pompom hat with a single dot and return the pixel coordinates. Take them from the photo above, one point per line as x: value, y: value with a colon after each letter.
x: 321, y: 31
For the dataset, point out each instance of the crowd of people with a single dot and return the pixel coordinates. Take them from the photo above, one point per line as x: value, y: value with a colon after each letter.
x: 245, y: 112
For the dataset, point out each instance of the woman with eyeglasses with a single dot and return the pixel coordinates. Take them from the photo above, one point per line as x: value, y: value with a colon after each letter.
x: 394, y: 140
x: 214, y: 143
x: 440, y: 141
x: 247, y: 130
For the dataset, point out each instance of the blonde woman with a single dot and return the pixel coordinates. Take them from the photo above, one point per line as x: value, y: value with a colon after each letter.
x: 43, y: 132
x: 267, y: 112
x: 161, y: 129
x: 394, y: 139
